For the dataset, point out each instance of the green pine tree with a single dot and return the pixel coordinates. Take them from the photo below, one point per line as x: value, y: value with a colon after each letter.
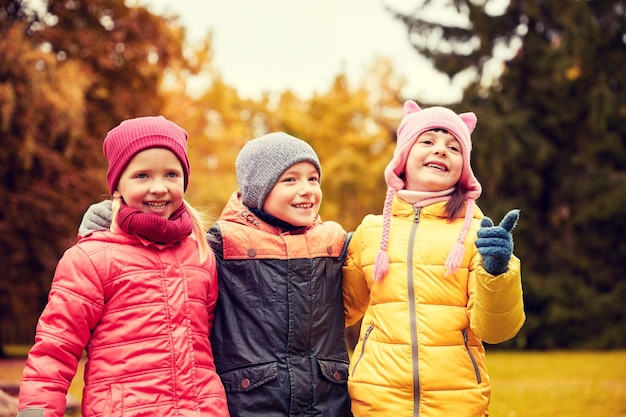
x: 550, y: 140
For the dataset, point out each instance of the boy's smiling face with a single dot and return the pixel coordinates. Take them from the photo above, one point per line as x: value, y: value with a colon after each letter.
x: 297, y: 195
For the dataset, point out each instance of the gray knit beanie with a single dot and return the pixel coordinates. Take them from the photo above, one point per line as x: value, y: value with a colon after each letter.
x: 263, y: 160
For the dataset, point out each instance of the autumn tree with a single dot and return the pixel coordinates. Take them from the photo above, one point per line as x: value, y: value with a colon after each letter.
x: 351, y: 125
x: 68, y: 74
x: 219, y: 123
x: 352, y: 128
x: 546, y: 80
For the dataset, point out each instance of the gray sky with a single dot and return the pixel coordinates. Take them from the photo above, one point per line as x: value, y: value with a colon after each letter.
x: 272, y: 45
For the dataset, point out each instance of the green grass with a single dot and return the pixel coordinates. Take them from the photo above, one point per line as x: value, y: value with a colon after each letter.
x: 524, y: 384
x: 558, y: 384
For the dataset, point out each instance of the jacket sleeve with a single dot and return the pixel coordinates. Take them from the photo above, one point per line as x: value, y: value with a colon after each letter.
x: 214, y: 239
x: 75, y: 305
x: 356, y: 292
x: 496, y: 306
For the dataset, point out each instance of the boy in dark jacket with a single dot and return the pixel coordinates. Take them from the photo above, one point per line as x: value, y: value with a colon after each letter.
x: 279, y: 340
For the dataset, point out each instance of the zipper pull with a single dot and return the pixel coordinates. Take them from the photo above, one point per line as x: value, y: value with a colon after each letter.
x: 416, y: 218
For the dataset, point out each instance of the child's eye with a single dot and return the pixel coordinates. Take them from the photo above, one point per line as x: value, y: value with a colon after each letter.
x: 455, y: 148
x: 172, y: 174
x: 314, y: 179
x: 142, y: 175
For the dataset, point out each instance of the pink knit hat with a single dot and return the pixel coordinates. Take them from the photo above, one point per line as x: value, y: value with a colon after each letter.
x: 132, y: 136
x: 415, y: 122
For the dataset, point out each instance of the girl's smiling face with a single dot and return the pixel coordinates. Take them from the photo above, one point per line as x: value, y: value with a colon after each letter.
x: 434, y: 163
x: 297, y: 195
x: 153, y: 182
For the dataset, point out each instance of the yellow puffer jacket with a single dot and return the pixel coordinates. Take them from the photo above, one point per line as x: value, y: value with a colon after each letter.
x: 420, y: 350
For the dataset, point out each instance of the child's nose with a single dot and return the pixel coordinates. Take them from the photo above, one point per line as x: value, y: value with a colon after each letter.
x: 440, y: 149
x: 306, y: 188
x: 158, y: 187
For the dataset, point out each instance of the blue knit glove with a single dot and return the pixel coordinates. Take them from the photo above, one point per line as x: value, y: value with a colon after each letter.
x: 97, y: 217
x: 495, y: 243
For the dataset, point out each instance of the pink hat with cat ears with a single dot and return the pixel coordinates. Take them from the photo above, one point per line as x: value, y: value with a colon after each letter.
x: 415, y: 122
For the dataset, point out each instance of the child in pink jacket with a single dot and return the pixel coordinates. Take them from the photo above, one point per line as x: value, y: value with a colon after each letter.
x: 139, y: 299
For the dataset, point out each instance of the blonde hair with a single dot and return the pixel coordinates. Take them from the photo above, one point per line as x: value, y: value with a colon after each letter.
x: 200, y: 223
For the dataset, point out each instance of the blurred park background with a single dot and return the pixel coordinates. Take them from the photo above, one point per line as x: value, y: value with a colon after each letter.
x: 546, y: 79
x: 550, y: 139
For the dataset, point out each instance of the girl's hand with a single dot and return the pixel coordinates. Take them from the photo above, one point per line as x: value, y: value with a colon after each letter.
x: 495, y: 243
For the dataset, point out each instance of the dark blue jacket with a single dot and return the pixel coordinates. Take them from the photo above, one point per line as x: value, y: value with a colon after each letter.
x: 279, y: 333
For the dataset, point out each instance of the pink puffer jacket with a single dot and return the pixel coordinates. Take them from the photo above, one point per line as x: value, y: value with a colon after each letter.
x: 144, y: 314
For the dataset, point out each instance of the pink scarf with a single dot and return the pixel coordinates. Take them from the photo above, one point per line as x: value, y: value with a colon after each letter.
x: 425, y: 198
x: 156, y: 228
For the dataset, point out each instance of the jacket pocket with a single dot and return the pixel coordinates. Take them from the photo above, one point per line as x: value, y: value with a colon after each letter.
x: 366, y: 336
x: 333, y: 370
x: 250, y: 377
x: 115, y: 401
x: 479, y: 379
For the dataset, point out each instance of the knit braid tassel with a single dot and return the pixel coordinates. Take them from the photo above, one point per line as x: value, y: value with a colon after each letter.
x: 381, y: 265
x: 453, y: 263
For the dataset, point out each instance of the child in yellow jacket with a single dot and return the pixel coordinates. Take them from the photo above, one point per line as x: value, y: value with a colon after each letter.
x: 431, y: 277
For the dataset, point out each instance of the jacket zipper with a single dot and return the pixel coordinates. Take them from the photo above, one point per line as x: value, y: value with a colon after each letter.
x: 365, y: 337
x: 412, y: 312
x: 479, y: 379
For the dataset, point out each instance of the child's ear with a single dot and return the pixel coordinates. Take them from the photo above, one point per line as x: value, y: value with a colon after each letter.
x: 117, y: 194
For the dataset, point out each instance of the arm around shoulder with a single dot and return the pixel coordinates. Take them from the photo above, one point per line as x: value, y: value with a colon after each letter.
x: 214, y: 238
x: 355, y: 288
